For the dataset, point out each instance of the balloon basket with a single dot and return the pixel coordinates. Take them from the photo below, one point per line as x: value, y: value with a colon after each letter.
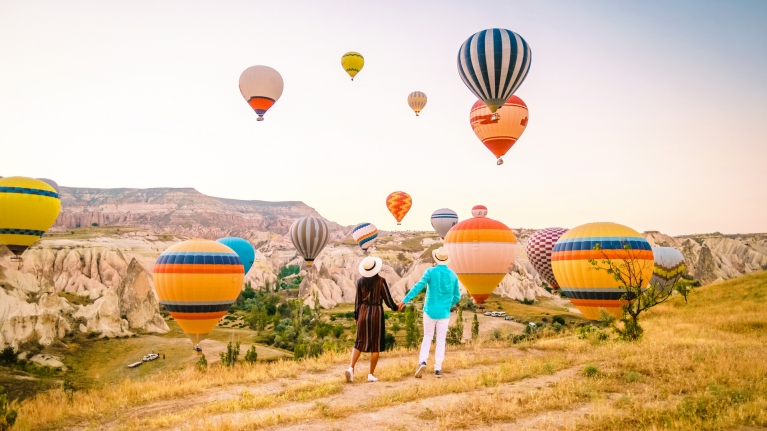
x: 260, y: 119
x: 495, y: 117
x: 15, y: 258
x: 499, y: 162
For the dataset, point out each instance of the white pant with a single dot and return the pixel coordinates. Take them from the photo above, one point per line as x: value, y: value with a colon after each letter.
x: 428, y: 333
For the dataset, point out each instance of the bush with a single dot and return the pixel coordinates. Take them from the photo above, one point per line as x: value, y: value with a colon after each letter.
x: 389, y: 341
x: 300, y: 350
x: 590, y: 371
x: 251, y: 355
x: 7, y: 414
x: 229, y: 358
x: 558, y: 319
x: 338, y: 330
x: 8, y: 356
x: 496, y: 334
x: 527, y: 301
x: 202, y: 364
x: 633, y: 376
x: 322, y: 330
x: 69, y: 388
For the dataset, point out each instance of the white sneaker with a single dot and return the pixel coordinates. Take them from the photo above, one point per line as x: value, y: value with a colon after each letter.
x: 372, y: 378
x: 419, y: 371
x: 350, y: 375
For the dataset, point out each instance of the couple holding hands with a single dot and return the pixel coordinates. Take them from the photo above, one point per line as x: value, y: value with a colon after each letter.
x: 372, y: 292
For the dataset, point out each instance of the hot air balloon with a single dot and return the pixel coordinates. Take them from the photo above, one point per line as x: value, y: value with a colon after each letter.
x: 481, y: 252
x: 352, y: 63
x: 365, y: 234
x: 500, y: 135
x: 309, y: 236
x: 442, y: 220
x: 399, y: 204
x: 28, y: 208
x: 493, y: 64
x: 539, y: 247
x: 416, y: 100
x: 197, y: 281
x: 669, y: 267
x: 261, y: 86
x: 244, y: 250
x: 479, y: 211
x: 589, y: 289
x: 50, y: 182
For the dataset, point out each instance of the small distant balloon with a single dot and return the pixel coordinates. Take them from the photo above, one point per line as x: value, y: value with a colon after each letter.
x: 309, y: 235
x: 479, y: 211
x: 365, y: 235
x: 261, y: 86
x: 416, y: 100
x: 50, y: 182
x: 442, y: 220
x: 398, y: 204
x: 352, y: 62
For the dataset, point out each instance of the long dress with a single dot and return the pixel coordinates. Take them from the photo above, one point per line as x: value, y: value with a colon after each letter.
x: 369, y: 314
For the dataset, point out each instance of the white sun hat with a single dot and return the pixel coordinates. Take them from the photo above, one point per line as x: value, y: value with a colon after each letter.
x: 440, y: 256
x: 370, y: 266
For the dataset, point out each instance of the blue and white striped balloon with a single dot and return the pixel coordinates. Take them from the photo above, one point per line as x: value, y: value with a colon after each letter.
x: 442, y: 220
x: 493, y: 64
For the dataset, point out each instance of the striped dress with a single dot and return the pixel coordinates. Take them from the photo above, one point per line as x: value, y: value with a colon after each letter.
x: 372, y: 292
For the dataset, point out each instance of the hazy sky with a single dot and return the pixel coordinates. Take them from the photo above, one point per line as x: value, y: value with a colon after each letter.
x: 651, y: 114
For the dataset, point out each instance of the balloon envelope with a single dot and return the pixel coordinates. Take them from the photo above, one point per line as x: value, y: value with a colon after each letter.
x: 243, y: 248
x: 28, y: 208
x: 261, y: 86
x: 309, y: 235
x: 365, y: 234
x: 479, y: 211
x: 197, y: 281
x: 481, y: 251
x: 442, y: 220
x: 499, y: 135
x: 398, y: 204
x: 50, y: 182
x: 416, y: 100
x: 352, y: 63
x: 669, y: 267
x: 539, y: 247
x: 493, y: 63
x: 587, y: 288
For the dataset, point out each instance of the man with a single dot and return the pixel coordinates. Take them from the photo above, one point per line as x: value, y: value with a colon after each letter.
x: 441, y: 295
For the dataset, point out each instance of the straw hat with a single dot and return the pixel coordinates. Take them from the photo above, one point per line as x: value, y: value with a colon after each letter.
x: 370, y: 266
x: 440, y: 256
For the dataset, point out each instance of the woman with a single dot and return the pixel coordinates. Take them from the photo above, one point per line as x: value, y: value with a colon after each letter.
x: 372, y: 290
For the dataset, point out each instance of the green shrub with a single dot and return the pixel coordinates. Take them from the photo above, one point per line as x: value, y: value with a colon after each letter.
x: 389, y: 341
x: 202, y: 364
x: 338, y: 330
x: 7, y: 414
x: 558, y: 319
x: 633, y: 376
x: 590, y: 370
x: 251, y: 355
x: 8, y: 356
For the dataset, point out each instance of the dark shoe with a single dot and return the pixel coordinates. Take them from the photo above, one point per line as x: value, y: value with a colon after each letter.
x: 438, y: 373
x: 419, y: 371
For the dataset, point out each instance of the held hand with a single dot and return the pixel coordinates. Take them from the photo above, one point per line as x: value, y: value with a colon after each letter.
x: 400, y: 306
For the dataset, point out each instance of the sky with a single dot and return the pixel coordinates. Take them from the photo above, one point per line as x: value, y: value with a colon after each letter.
x: 652, y: 114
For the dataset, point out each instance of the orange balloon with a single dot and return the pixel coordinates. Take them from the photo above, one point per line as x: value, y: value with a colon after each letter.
x: 500, y: 135
x: 399, y: 204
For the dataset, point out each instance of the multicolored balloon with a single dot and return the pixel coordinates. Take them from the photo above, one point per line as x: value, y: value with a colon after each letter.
x: 479, y: 211
x: 416, y: 100
x: 352, y: 62
x: 442, y: 220
x: 499, y: 135
x: 493, y: 63
x: 197, y: 281
x: 365, y: 235
x: 28, y: 208
x: 539, y: 247
x: 398, y: 204
x: 669, y: 267
x: 261, y: 86
x: 481, y: 252
x: 309, y: 235
x: 243, y: 248
x: 587, y: 288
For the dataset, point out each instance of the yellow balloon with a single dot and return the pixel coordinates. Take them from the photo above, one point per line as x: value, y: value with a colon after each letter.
x: 352, y: 63
x: 28, y: 208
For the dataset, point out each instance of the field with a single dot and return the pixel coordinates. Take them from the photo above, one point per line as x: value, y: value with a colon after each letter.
x: 700, y: 366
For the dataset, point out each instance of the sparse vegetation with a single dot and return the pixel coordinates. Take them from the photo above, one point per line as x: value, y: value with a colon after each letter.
x: 7, y: 414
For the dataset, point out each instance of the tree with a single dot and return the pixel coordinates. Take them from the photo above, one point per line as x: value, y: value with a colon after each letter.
x: 455, y: 332
x: 229, y: 358
x: 202, y: 364
x: 251, y: 355
x: 317, y: 306
x: 412, y: 333
x: 8, y: 356
x: 7, y: 414
x: 475, y: 328
x: 69, y: 388
x: 628, y: 270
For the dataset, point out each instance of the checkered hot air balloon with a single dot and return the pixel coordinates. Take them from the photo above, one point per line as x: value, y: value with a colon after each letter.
x: 539, y: 247
x: 309, y: 235
x: 398, y: 204
x: 591, y: 290
x: 499, y: 135
x: 197, y: 281
x: 481, y: 251
x: 365, y: 235
x: 28, y: 208
x: 493, y: 63
x: 669, y: 267
x: 261, y: 86
x: 416, y: 100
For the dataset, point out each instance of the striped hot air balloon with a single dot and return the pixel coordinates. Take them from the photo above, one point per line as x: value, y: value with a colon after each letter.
x: 365, y: 235
x: 493, y: 64
x: 28, y: 208
x: 669, y: 267
x: 352, y: 62
x: 442, y: 220
x: 197, y: 281
x: 398, y: 204
x: 589, y: 289
x: 261, y: 86
x: 416, y: 100
x: 309, y: 235
x: 539, y: 247
x: 499, y: 135
x: 481, y: 251
x: 479, y: 211
x: 243, y: 248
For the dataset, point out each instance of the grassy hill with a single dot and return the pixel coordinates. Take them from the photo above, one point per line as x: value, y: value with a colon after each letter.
x: 700, y: 366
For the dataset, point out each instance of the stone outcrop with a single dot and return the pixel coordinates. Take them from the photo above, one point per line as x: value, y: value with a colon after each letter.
x: 42, y: 321
x: 138, y: 301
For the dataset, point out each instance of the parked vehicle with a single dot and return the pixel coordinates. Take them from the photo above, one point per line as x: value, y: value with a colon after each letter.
x: 508, y: 318
x: 488, y: 313
x: 150, y: 357
x: 501, y: 313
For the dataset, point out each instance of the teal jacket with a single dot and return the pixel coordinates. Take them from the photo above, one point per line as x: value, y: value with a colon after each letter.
x: 442, y: 293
